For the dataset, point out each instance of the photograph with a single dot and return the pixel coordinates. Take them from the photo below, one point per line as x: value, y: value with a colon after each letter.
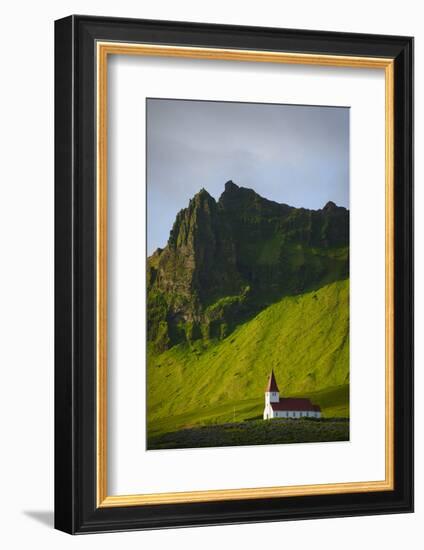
x: 233, y: 268
x: 247, y: 273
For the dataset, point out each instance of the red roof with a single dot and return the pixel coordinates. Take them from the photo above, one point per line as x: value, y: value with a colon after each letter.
x: 272, y: 383
x: 295, y: 404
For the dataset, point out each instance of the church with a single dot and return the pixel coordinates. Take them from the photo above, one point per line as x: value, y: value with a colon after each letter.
x: 287, y: 407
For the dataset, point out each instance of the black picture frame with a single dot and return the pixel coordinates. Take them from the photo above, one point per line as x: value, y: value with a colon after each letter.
x: 76, y: 510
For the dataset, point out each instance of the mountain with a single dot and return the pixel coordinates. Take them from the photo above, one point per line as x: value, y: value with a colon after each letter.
x: 246, y: 285
x: 227, y: 260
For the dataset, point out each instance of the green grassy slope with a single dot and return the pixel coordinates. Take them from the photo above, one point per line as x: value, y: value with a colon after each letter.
x: 304, y: 338
x: 334, y: 403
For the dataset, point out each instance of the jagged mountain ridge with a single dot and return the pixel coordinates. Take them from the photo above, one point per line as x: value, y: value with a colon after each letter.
x: 226, y: 260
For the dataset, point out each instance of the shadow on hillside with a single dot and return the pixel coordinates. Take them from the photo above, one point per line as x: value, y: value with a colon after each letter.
x: 258, y: 302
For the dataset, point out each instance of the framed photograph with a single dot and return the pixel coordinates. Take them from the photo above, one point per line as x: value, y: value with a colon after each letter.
x: 234, y: 269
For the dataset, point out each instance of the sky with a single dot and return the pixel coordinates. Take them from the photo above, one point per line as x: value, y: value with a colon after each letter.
x: 293, y: 154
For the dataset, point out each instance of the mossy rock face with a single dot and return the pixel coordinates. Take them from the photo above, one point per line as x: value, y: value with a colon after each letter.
x: 226, y: 260
x: 162, y: 340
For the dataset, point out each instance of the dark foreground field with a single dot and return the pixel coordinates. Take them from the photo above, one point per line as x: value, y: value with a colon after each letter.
x: 257, y: 432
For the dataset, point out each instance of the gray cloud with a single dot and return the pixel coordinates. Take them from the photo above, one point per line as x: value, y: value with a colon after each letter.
x: 294, y: 154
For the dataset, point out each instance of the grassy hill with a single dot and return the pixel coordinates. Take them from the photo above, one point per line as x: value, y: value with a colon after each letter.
x: 304, y: 338
x: 334, y: 403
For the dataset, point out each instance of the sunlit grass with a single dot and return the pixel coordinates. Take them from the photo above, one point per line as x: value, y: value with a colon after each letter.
x: 304, y: 338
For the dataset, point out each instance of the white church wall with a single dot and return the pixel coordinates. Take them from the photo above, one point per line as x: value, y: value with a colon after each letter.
x: 271, y: 413
x: 267, y: 412
x: 272, y: 397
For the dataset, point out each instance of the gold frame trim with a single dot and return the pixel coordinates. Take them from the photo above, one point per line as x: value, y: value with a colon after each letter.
x: 104, y: 49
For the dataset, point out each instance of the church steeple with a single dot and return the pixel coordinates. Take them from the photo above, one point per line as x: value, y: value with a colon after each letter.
x: 272, y: 383
x: 272, y: 393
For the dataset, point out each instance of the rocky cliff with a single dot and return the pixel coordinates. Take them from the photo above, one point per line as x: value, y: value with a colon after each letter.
x: 226, y: 260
